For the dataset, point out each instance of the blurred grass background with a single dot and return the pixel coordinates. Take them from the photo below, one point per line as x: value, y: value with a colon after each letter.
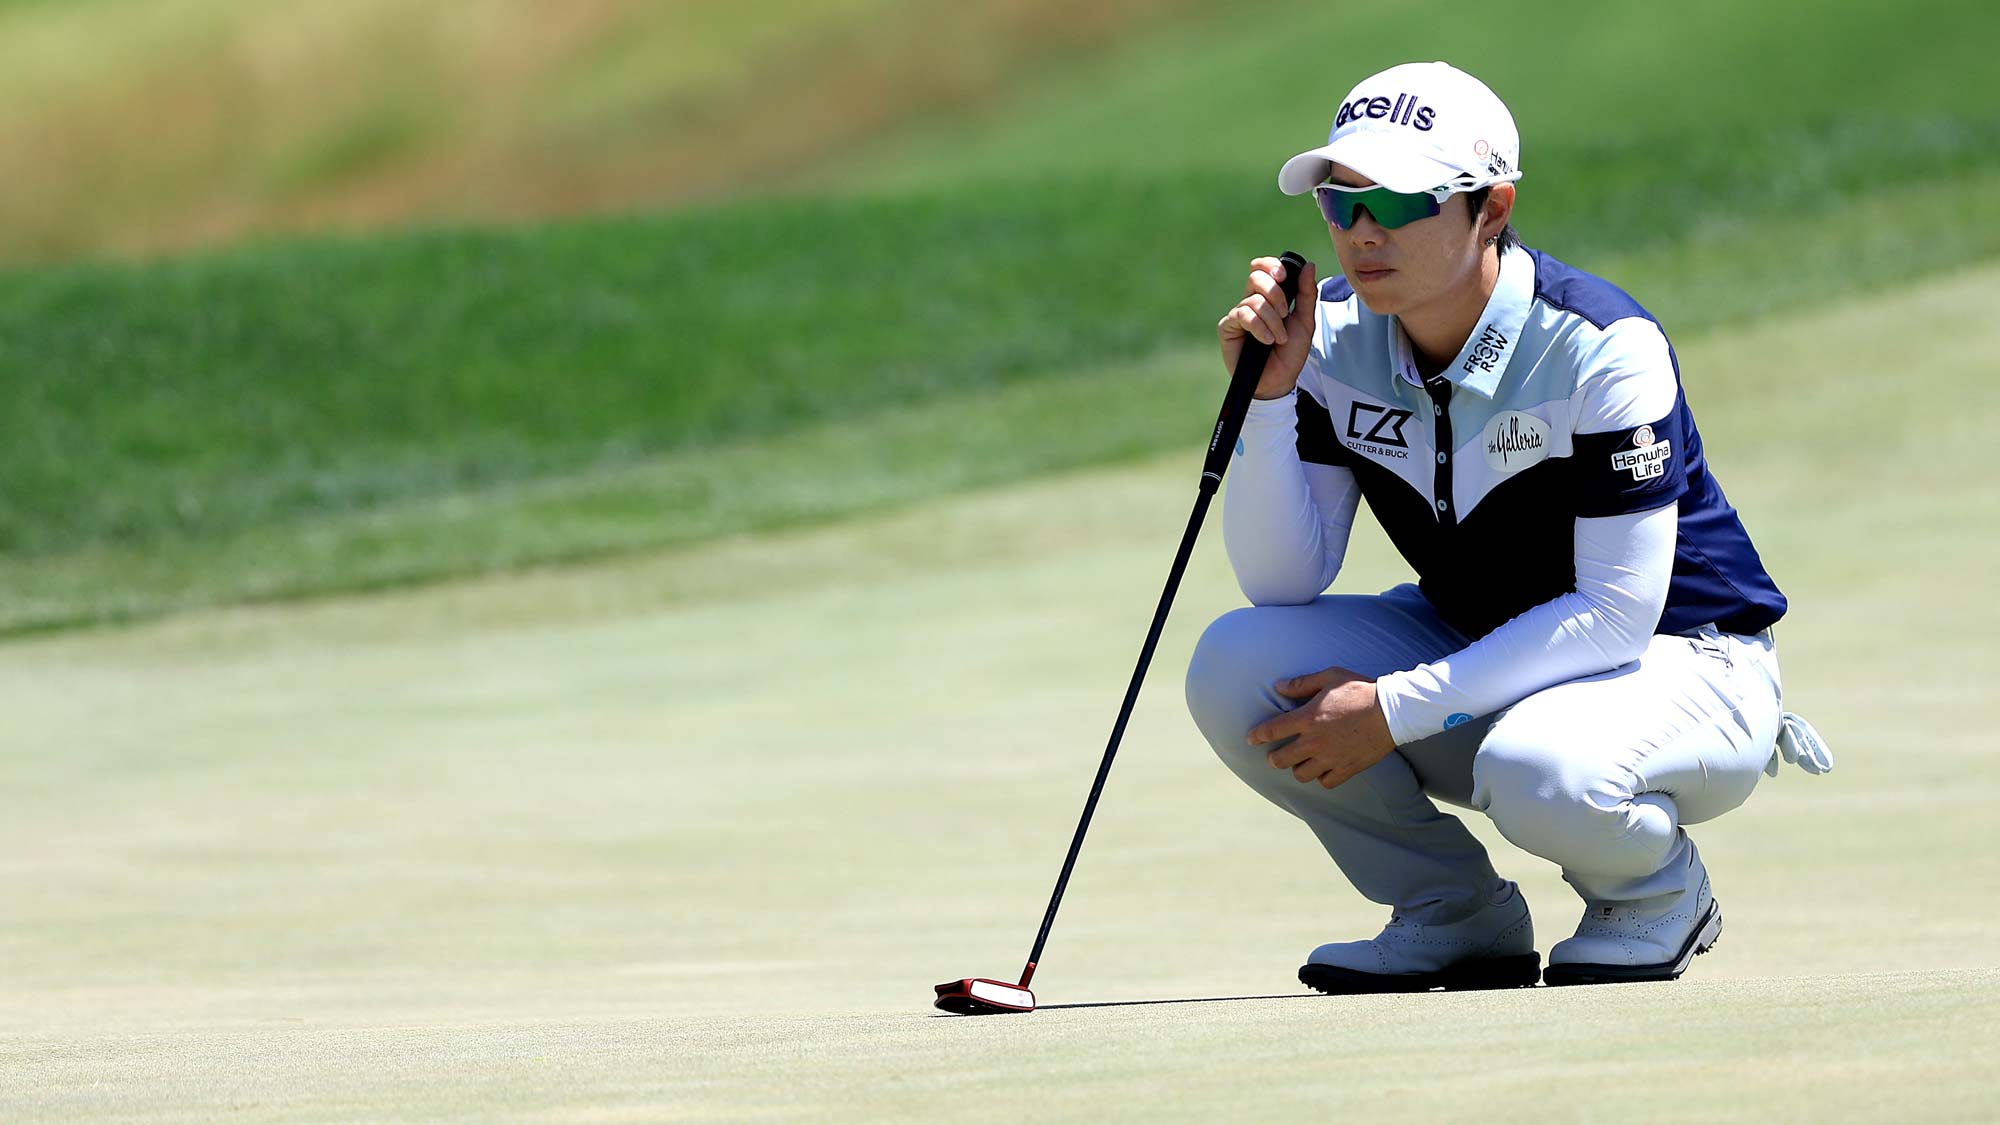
x: 862, y: 226
x: 146, y: 124
x: 298, y: 299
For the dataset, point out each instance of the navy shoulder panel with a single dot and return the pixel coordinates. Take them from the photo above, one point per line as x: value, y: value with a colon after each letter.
x: 1587, y: 295
x: 1335, y: 289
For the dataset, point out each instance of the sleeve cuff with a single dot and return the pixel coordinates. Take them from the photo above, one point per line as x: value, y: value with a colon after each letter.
x: 1410, y: 716
x: 1270, y: 428
x: 1284, y: 408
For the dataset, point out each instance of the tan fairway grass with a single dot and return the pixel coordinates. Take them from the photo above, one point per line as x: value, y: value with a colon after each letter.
x: 614, y: 842
x: 146, y: 125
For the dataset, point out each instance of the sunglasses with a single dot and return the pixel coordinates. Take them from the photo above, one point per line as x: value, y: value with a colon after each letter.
x: 1392, y: 209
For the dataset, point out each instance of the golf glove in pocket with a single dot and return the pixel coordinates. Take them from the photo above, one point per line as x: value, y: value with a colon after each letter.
x: 1801, y: 745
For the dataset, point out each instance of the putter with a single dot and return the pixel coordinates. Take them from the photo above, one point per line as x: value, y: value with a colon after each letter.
x: 980, y: 996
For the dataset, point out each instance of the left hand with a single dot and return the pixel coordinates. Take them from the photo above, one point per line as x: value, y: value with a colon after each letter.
x: 1338, y: 732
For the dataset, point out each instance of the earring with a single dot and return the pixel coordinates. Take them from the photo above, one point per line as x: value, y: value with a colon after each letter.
x: 1493, y: 240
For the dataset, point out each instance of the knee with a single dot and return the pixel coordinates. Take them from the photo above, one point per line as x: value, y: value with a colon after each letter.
x: 1543, y: 799
x: 1510, y: 781
x: 1228, y: 677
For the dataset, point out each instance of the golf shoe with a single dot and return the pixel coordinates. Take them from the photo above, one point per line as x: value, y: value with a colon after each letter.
x: 1494, y: 948
x: 1645, y: 939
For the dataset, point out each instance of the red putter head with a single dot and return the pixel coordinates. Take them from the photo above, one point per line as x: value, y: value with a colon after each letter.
x: 977, y: 996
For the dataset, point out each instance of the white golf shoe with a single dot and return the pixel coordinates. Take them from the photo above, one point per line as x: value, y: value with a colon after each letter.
x: 1494, y: 948
x: 1650, y: 939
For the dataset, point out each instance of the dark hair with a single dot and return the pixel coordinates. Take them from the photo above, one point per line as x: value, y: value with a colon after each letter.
x: 1476, y: 199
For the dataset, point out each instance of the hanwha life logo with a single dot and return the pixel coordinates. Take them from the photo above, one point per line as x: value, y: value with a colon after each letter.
x: 1647, y: 459
x: 1514, y: 440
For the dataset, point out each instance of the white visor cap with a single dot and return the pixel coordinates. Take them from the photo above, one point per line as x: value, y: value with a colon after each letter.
x: 1415, y: 127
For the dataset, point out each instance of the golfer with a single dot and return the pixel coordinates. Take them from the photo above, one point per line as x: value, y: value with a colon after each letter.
x: 1586, y: 656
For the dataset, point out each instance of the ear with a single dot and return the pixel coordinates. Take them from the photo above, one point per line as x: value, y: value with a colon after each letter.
x: 1498, y: 210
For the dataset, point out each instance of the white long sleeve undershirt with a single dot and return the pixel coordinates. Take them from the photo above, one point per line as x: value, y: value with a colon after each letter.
x: 1624, y: 565
x: 1286, y: 525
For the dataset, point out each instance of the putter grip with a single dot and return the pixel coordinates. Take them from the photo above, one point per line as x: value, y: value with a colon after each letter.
x: 1243, y: 385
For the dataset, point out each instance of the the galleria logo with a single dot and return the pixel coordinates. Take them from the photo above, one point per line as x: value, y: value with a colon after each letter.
x: 1515, y: 440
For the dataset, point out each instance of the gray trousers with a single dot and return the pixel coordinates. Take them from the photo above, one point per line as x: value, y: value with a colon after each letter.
x: 1597, y: 774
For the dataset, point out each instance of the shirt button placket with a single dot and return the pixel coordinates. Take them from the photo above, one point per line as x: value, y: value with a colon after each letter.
x: 1440, y: 391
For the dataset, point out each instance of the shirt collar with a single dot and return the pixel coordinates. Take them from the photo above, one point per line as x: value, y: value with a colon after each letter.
x: 1483, y: 360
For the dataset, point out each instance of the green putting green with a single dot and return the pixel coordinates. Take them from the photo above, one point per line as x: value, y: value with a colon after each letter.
x: 690, y: 835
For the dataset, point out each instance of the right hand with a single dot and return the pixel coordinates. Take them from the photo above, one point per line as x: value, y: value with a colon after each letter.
x: 1261, y: 313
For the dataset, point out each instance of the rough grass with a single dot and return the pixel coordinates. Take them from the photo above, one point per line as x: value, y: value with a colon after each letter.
x: 691, y: 834
x: 297, y: 419
x: 294, y: 417
x: 148, y: 124
x: 1694, y: 84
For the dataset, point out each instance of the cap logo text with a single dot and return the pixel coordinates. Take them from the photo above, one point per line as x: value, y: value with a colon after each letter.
x: 1404, y: 110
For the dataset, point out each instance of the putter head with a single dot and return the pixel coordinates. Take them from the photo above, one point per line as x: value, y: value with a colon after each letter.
x: 977, y: 996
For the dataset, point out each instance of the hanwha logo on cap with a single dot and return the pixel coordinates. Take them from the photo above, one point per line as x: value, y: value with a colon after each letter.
x: 1480, y: 148
x: 1642, y: 436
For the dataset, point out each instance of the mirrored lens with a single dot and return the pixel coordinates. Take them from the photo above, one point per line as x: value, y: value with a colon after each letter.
x: 1391, y: 209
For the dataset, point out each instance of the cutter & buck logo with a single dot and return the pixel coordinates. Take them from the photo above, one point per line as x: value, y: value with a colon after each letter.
x: 1377, y: 429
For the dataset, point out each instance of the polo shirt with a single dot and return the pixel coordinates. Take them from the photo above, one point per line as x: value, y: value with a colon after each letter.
x: 1565, y: 402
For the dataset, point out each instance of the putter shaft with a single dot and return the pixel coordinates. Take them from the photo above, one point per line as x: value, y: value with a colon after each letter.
x: 1228, y: 425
